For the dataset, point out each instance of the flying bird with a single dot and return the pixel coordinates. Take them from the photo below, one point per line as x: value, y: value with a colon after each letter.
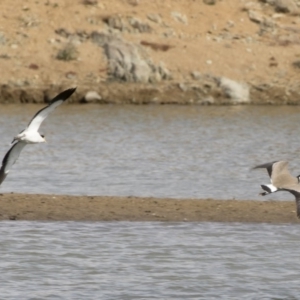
x: 280, y: 176
x: 30, y: 134
x: 281, y: 180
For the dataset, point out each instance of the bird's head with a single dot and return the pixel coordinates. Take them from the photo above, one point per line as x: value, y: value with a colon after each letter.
x: 298, y: 177
x: 43, y: 137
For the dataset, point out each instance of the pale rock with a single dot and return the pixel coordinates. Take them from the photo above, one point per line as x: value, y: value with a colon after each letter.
x: 179, y: 17
x: 2, y: 39
x: 129, y: 62
x: 236, y: 91
x: 129, y: 24
x: 286, y: 6
x: 255, y: 16
x: 92, y: 96
x: 139, y: 25
x: 259, y: 18
x: 164, y: 72
x: 154, y: 18
x: 183, y: 87
x: 155, y: 77
x: 196, y: 75
x: 125, y: 62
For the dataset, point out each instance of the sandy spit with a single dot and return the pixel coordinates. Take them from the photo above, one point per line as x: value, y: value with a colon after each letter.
x: 102, y: 208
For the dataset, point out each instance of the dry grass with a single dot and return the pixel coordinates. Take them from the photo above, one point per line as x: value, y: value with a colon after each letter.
x: 69, y: 52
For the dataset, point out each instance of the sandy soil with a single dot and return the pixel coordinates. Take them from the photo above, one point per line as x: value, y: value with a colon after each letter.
x: 98, y: 208
x: 251, y: 42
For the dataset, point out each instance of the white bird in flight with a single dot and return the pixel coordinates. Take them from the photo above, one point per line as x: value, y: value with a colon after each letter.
x: 30, y: 134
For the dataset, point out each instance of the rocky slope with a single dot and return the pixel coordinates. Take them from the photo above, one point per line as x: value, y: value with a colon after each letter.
x: 138, y: 51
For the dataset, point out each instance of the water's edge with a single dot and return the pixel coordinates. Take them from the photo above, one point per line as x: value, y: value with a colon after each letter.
x: 203, y: 92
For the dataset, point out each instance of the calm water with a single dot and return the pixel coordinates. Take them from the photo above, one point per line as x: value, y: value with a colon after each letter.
x: 159, y: 151
x: 122, y: 260
x: 166, y: 151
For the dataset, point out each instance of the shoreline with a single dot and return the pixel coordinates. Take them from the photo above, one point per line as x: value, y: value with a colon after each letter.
x: 201, y: 92
x: 103, y: 208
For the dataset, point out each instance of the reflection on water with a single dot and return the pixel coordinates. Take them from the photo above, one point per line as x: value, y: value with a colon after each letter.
x: 159, y: 151
x: 123, y: 260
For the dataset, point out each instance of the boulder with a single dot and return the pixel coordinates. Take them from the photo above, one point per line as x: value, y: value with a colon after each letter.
x: 237, y: 92
x: 286, y: 6
x: 129, y: 62
x: 177, y: 16
x: 91, y: 96
x: 125, y: 62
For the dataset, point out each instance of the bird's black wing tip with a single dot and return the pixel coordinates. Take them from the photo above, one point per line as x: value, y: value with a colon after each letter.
x: 265, y: 165
x: 67, y: 93
x: 255, y: 168
x: 64, y: 95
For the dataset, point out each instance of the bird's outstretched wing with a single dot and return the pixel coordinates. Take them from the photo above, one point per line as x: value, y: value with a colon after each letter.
x: 268, y: 166
x: 10, y: 158
x: 42, y: 114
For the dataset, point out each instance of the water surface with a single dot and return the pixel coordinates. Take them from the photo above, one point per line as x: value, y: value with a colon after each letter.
x: 158, y: 151
x: 149, y: 260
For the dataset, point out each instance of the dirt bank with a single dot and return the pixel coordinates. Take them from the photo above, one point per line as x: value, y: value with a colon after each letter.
x: 100, y: 208
x: 140, y: 52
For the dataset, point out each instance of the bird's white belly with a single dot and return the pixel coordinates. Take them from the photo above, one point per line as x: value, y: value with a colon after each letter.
x: 272, y: 187
x: 30, y: 137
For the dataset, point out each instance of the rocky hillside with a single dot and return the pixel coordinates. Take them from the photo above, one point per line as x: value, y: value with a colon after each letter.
x: 138, y: 51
